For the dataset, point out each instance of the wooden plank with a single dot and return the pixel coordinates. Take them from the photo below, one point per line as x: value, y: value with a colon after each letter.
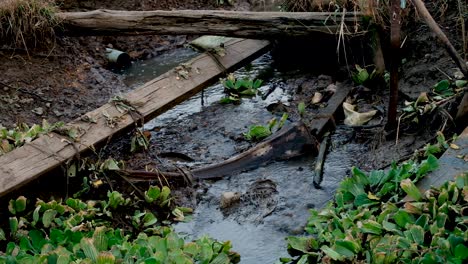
x: 260, y: 25
x: 450, y: 164
x: 34, y: 159
x: 326, y: 117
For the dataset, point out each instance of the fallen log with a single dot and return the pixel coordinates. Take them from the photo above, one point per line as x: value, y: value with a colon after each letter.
x: 287, y: 143
x: 257, y: 25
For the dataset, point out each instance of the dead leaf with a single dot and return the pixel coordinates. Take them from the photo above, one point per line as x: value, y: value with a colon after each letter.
x: 353, y: 118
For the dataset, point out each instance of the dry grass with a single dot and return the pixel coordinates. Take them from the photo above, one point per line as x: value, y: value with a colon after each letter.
x: 27, y: 23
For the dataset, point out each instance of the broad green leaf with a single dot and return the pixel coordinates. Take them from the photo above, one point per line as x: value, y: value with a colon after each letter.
x: 461, y: 252
x: 13, y: 221
x: 371, y: 227
x: 89, y: 249
x: 442, y: 86
x: 20, y: 204
x: 152, y: 194
x: 331, y: 253
x: 105, y: 258
x: 402, y: 218
x: 48, y: 217
x: 427, y: 166
x: 302, y: 244
x: 408, y: 186
x: 149, y: 219
x: 415, y: 233
x: 347, y: 247
x: 461, y: 83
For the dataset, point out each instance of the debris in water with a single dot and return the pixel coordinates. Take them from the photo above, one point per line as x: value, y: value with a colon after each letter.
x: 229, y: 198
x: 353, y: 118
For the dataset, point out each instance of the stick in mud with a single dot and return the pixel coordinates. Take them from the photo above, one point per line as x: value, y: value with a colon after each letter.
x: 318, y: 171
x: 421, y: 8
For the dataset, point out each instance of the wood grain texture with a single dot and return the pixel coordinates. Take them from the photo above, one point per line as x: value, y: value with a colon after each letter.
x: 153, y: 98
x: 451, y: 164
x: 258, y: 25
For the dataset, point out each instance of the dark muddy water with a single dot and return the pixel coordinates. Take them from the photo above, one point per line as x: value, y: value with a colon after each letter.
x: 276, y: 198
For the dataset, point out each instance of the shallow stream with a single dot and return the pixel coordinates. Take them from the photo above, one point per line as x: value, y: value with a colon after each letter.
x: 275, y: 198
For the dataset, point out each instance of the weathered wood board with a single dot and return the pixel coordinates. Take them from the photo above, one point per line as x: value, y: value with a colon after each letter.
x: 258, y: 25
x: 155, y: 97
x: 451, y: 164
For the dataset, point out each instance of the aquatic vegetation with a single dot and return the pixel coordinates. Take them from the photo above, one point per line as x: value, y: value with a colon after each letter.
x: 18, y: 136
x: 236, y: 88
x: 259, y: 132
x: 77, y: 231
x: 368, y: 222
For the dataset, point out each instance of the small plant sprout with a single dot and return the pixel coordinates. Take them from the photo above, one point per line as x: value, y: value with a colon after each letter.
x: 259, y: 132
x: 236, y: 88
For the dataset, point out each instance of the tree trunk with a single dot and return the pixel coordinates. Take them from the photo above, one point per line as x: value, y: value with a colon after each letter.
x: 258, y: 25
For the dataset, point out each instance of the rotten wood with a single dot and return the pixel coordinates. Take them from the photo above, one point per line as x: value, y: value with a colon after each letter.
x: 325, y: 120
x: 424, y: 13
x: 289, y: 142
x: 258, y: 25
x: 40, y: 156
x: 318, y: 170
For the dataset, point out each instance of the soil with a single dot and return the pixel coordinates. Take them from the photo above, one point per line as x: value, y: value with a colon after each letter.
x: 62, y: 82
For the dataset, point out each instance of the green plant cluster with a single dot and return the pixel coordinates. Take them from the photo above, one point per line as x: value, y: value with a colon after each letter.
x: 14, y: 138
x: 236, y: 88
x: 259, y: 132
x: 77, y: 231
x: 369, y: 223
x: 427, y: 103
x: 361, y: 76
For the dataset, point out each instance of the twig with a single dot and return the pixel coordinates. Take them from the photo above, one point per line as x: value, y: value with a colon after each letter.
x: 318, y: 171
x: 421, y: 8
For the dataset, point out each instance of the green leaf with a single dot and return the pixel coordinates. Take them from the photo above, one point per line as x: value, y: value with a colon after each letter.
x: 402, y: 218
x: 461, y: 83
x: 20, y: 204
x: 371, y: 227
x: 430, y: 164
x: 37, y: 239
x: 408, y: 186
x: 13, y: 221
x: 301, y: 108
x: 363, y: 200
x: 89, y: 249
x: 48, y: 217
x: 461, y: 252
x: 105, y: 258
x: 347, y: 248
x: 302, y: 244
x: 256, y: 133
x: 257, y: 84
x: 416, y: 234
x: 331, y: 253
x: 152, y: 194
x: 442, y: 86
x: 2, y: 235
x: 149, y: 219
x: 100, y: 239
